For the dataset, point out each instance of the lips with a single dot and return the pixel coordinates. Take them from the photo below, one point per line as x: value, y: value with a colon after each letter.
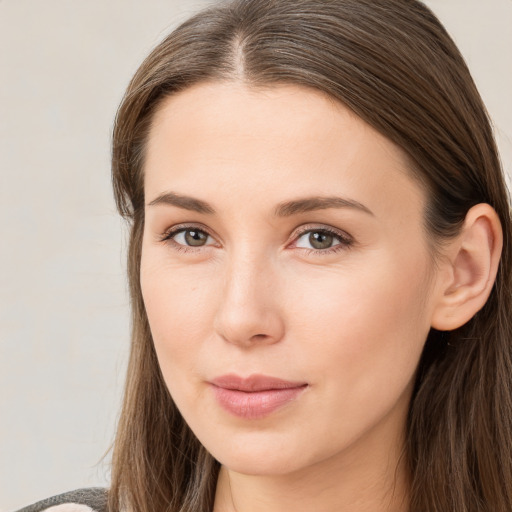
x: 256, y: 396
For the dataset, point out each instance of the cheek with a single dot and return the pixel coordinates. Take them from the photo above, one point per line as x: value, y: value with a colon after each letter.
x: 179, y: 305
x: 386, y: 292
x: 367, y: 330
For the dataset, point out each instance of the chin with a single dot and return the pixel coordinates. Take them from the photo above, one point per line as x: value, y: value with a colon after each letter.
x: 258, y: 455
x: 261, y: 465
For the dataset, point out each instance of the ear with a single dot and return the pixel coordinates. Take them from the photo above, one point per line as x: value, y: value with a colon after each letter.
x: 471, y: 265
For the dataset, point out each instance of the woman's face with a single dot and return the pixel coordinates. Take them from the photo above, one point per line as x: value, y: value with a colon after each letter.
x: 286, y: 275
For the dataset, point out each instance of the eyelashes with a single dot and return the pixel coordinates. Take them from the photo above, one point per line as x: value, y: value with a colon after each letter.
x: 321, y: 239
x: 309, y: 239
x: 187, y: 238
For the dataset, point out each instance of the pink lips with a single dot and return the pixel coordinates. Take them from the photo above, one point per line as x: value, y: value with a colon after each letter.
x: 256, y: 396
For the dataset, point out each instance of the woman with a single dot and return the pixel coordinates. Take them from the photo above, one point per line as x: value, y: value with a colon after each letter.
x: 319, y: 264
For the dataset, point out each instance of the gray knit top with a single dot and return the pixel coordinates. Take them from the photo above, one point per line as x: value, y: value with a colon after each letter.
x: 81, y: 500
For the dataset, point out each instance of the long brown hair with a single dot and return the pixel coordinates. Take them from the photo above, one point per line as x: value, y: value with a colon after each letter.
x: 394, y: 65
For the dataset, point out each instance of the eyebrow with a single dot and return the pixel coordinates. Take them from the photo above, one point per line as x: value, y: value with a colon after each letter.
x: 185, y: 202
x: 285, y: 209
x: 309, y: 204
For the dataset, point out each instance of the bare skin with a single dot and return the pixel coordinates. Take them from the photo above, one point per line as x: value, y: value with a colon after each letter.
x: 284, y: 238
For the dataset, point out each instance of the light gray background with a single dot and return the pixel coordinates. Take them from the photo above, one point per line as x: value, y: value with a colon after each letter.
x: 64, y: 321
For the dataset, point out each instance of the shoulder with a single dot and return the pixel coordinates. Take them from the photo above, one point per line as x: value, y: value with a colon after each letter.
x: 81, y: 500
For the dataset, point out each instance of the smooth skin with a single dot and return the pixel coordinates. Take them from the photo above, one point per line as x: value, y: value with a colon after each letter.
x: 240, y: 275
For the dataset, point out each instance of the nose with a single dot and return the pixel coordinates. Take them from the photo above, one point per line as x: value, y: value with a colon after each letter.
x: 248, y: 313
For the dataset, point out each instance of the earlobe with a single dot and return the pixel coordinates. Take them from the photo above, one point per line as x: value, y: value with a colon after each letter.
x: 472, y: 260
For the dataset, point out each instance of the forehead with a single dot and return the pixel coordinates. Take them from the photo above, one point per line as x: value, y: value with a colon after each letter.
x: 234, y: 141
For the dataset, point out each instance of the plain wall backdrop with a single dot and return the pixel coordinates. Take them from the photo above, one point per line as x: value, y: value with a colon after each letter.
x: 64, y: 315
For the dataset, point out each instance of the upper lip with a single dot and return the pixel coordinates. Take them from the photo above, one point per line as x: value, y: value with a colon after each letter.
x: 254, y: 383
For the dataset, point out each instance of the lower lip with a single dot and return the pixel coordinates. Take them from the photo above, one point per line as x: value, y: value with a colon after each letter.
x: 255, y: 404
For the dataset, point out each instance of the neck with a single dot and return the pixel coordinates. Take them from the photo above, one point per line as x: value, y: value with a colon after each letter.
x: 369, y: 476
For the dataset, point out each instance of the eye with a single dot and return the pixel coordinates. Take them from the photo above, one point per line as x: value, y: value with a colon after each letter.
x: 321, y: 240
x: 188, y: 237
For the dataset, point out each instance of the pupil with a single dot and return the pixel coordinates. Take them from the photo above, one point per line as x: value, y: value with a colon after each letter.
x: 320, y: 240
x: 195, y: 238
